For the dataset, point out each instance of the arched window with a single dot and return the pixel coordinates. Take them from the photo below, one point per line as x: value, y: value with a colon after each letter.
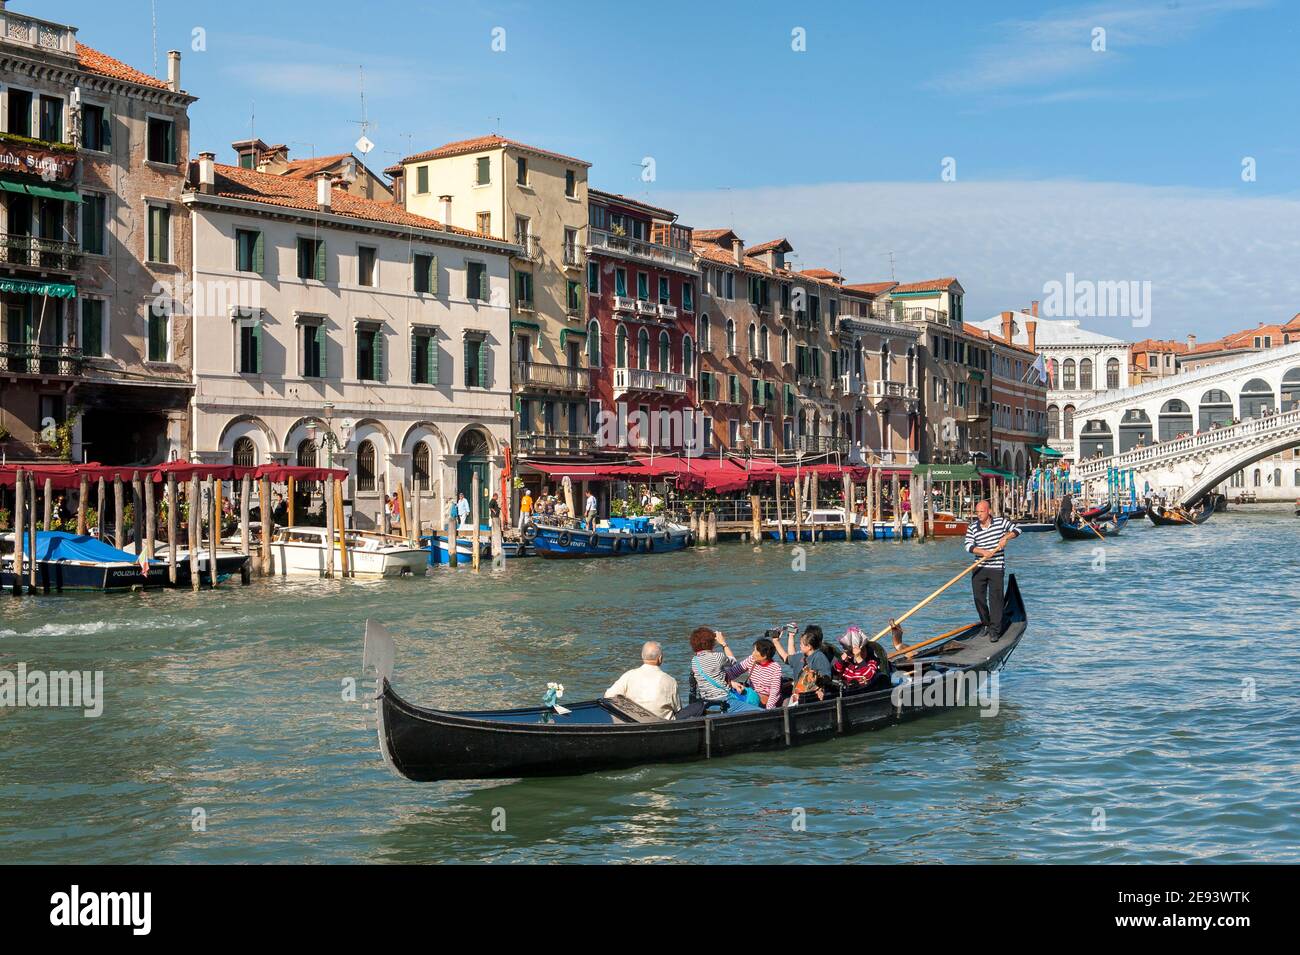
x: 911, y: 366
x: 665, y: 352
x: 1069, y: 382
x: 420, y: 465
x: 365, y: 466
x: 1295, y: 478
x: 1067, y: 423
x: 1215, y: 409
x: 593, y: 344
x: 244, y: 454
x: 762, y: 343
x: 1291, y: 390
x: 1112, y: 374
x: 1085, y: 374
x: 1256, y: 398
x: 1056, y: 374
x: 306, y: 453
x: 1258, y: 477
x: 688, y: 356
x: 753, y: 340
x: 620, y: 347
x: 706, y: 339
x: 731, y: 337
x: 1053, y: 422
x: 785, y: 346
x: 643, y: 349
x: 884, y: 360
x: 1277, y: 477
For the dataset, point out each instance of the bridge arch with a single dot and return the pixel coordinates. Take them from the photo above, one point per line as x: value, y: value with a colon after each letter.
x: 1291, y: 389
x: 1215, y: 409
x: 1135, y: 429
x: 1175, y: 418
x: 1230, y: 465
x: 1096, y: 438
x: 1256, y: 397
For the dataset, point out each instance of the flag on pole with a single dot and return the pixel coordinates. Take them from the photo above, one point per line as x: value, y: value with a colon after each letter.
x: 1040, y: 369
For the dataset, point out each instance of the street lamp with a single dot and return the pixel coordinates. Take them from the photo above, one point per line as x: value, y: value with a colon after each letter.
x: 327, y: 439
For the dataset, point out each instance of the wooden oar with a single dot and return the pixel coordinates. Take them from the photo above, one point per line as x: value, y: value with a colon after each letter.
x: 905, y: 651
x: 935, y: 594
x: 1093, y: 528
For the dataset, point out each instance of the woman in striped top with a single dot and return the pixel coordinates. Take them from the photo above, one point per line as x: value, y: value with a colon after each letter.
x: 764, y: 673
x: 710, y: 659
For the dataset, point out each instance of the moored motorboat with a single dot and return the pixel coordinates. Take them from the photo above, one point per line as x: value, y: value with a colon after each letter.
x: 70, y: 562
x: 303, y: 551
x: 230, y: 563
x: 616, y: 537
x: 425, y: 744
x: 827, y: 524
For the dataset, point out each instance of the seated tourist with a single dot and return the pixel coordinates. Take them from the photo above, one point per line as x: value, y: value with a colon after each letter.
x: 710, y: 657
x: 764, y: 673
x: 810, y: 667
x: 859, y: 666
x: 648, y: 685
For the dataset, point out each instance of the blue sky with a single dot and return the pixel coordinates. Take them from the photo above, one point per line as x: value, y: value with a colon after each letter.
x: 1122, y: 164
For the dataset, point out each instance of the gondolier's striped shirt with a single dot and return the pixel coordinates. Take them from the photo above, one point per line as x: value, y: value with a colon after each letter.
x: 986, y: 538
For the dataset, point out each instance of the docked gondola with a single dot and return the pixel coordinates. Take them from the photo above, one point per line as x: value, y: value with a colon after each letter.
x: 1089, y: 530
x: 1162, y: 516
x: 426, y: 744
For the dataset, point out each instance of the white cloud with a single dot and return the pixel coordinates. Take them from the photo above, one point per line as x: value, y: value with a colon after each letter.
x: 1058, y: 45
x: 1217, y: 261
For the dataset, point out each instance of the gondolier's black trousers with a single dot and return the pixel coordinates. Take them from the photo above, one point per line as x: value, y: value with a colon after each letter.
x: 987, y: 584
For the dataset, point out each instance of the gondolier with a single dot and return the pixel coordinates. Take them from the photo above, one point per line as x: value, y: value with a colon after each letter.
x: 986, y: 536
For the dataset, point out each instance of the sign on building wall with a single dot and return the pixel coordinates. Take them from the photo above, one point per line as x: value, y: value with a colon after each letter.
x: 35, y: 161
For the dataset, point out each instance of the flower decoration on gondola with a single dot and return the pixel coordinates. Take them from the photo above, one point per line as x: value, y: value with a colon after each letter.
x: 551, y: 698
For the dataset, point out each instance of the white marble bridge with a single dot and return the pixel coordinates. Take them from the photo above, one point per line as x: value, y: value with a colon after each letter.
x: 1186, y: 434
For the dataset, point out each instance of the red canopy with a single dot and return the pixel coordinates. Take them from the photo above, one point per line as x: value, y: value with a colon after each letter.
x: 67, y: 476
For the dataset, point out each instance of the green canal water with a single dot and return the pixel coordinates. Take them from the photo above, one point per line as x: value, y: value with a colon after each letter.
x: 1149, y: 715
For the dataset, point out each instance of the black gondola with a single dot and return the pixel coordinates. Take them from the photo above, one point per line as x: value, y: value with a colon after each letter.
x: 1162, y: 516
x: 1086, y: 532
x: 426, y: 745
x: 1099, y: 510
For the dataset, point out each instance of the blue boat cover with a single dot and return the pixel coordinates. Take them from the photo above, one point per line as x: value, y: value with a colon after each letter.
x: 60, y: 545
x: 634, y: 525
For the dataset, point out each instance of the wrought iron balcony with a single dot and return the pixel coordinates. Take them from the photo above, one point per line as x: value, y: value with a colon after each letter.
x: 598, y: 240
x: 30, y: 252
x: 533, y: 374
x: 815, y: 444
x: 644, y: 380
x: 48, y: 361
x: 530, y: 247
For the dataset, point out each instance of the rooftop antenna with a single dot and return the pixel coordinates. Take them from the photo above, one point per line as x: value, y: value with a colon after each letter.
x: 252, y: 119
x: 892, y: 277
x: 364, y: 145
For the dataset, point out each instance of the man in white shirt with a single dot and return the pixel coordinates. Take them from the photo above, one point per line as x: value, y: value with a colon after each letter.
x: 648, y: 685
x: 589, y: 511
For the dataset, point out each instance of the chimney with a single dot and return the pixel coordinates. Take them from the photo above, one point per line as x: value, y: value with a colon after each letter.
x: 1008, y: 326
x: 1033, y: 308
x: 174, y: 70
x: 207, y: 173
x: 1031, y: 334
x: 738, y: 251
x: 446, y: 209
x: 324, y: 190
x: 1191, y: 341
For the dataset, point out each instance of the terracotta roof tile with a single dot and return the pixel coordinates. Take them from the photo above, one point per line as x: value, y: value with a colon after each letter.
x: 638, y: 203
x: 780, y: 244
x: 928, y: 285
x: 479, y: 143
x: 872, y: 288
x: 310, y: 167
x: 93, y: 61
x: 826, y: 274
x: 234, y: 182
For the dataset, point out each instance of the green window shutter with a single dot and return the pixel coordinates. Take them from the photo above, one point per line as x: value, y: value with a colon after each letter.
x: 257, y: 346
x: 322, y: 344
x: 483, y: 284
x: 432, y: 344
x: 377, y: 349
x: 483, y: 353
x: 415, y: 358
x: 259, y: 254
x: 469, y: 361
x: 433, y: 277
x: 320, y: 260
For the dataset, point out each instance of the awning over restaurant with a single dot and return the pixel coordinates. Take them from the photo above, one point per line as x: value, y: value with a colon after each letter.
x: 65, y: 476
x: 1048, y: 452
x: 24, y: 287
x: 41, y: 191
x: 948, y: 472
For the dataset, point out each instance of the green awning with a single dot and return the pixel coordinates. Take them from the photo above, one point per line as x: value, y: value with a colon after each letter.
x: 1048, y: 452
x: 53, y: 192
x: 565, y: 333
x: 52, y: 289
x: 948, y: 472
x: 520, y: 323
x: 997, y: 472
x: 8, y: 185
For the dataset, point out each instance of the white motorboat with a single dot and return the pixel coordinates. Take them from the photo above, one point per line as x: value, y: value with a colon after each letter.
x: 301, y: 551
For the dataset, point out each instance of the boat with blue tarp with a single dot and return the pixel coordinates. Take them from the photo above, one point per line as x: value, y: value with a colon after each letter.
x: 67, y: 561
x: 615, y: 537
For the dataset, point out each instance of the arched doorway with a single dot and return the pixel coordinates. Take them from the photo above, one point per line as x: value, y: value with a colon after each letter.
x: 472, y: 446
x: 1291, y: 390
x: 1256, y: 398
x: 244, y: 453
x: 1096, y: 438
x: 1134, y: 429
x: 1175, y: 418
x: 1215, y: 410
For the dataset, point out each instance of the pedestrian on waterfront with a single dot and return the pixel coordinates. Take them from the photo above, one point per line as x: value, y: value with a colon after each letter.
x: 589, y: 508
x: 526, y: 508
x: 987, y: 537
x: 648, y: 685
x: 462, y: 509
x: 494, y: 509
